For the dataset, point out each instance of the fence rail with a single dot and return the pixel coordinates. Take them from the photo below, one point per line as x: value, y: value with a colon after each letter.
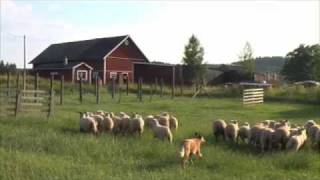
x: 253, y: 96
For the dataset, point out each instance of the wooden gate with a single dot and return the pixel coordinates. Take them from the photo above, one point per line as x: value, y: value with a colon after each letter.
x: 253, y: 96
x: 7, y: 101
x: 35, y: 101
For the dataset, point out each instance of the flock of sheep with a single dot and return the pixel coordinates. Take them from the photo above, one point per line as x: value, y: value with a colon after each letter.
x: 269, y: 134
x: 265, y: 136
x: 122, y: 123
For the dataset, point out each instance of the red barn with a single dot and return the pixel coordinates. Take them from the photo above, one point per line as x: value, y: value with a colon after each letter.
x: 106, y: 57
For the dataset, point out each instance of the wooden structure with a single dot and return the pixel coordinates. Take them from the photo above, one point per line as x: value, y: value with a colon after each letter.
x: 34, y: 101
x: 107, y: 57
x: 253, y: 96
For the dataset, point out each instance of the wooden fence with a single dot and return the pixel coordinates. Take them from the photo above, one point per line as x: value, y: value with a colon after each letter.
x: 253, y: 96
x: 35, y: 101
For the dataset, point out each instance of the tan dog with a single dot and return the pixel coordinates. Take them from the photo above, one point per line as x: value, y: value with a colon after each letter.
x: 191, y: 147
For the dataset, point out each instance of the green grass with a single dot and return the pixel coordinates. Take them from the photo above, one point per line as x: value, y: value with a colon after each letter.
x: 32, y: 147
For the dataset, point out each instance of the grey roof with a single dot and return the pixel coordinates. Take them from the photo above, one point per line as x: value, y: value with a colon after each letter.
x: 93, y: 49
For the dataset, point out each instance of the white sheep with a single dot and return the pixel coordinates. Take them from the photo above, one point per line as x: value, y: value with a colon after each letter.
x: 282, y: 134
x: 148, y: 120
x: 231, y: 131
x: 160, y: 131
x: 163, y: 119
x: 244, y: 132
x: 218, y: 128
x: 312, y: 132
x: 297, y: 141
x: 173, y: 122
x: 88, y: 124
x: 136, y: 125
x: 108, y: 123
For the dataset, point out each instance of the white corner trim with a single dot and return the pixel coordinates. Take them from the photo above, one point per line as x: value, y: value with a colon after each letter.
x: 124, y: 39
x: 82, y: 63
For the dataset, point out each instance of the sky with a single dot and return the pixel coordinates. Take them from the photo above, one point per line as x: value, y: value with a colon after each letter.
x: 161, y: 28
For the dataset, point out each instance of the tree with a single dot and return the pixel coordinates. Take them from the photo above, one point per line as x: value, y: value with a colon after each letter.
x: 303, y: 63
x: 193, y: 59
x: 247, y: 61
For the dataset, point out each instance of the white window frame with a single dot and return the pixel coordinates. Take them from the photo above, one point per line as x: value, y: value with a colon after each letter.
x: 113, y: 74
x: 85, y: 72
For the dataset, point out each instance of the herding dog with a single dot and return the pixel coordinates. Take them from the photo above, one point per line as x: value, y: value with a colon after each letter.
x: 191, y: 147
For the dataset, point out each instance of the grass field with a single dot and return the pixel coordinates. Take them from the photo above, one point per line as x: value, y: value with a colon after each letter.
x: 32, y: 147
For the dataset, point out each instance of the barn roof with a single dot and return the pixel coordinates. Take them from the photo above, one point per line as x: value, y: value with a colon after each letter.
x: 93, y: 49
x: 70, y: 65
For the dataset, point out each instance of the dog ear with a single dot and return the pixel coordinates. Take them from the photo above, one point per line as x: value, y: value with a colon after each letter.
x: 196, y: 134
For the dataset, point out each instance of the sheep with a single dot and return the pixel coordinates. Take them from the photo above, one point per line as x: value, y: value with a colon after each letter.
x: 163, y: 119
x: 296, y: 142
x: 255, y: 133
x: 109, y: 124
x: 148, y: 121
x: 308, y: 124
x: 317, y: 140
x: 136, y: 125
x: 282, y: 134
x: 244, y: 132
x: 160, y: 131
x: 88, y: 124
x: 266, y: 138
x: 231, y: 130
x: 173, y: 122
x: 116, y: 123
x: 100, y: 121
x: 124, y: 125
x: 312, y: 132
x: 218, y: 128
x: 191, y: 147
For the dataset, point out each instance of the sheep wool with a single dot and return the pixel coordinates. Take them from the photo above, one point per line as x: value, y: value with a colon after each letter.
x: 160, y: 131
x: 231, y: 131
x: 218, y: 128
x: 297, y: 141
x: 244, y: 132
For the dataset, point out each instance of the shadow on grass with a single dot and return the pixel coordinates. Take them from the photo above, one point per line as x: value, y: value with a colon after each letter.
x: 303, y: 112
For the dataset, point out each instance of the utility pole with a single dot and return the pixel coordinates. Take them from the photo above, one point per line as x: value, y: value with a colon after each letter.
x: 24, y: 63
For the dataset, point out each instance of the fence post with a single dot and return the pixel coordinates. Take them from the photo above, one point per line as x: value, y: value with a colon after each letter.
x: 80, y: 89
x: 97, y: 90
x: 173, y: 81
x: 140, y: 89
x: 17, y: 107
x: 127, y: 85
x: 156, y: 85
x: 51, y: 104
x: 113, y: 88
x: 36, y: 77
x: 161, y: 87
x: 151, y: 92
x: 119, y: 86
x: 181, y: 80
x: 17, y: 80
x: 61, y: 89
x: 8, y: 83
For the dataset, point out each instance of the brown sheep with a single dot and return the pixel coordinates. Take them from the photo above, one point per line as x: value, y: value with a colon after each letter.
x: 218, y: 128
x: 266, y: 139
x: 255, y: 133
x: 312, y: 132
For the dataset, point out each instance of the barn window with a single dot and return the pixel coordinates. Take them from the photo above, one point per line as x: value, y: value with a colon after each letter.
x: 83, y: 74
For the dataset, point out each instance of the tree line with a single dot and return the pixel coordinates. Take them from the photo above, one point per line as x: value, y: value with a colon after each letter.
x: 7, y: 67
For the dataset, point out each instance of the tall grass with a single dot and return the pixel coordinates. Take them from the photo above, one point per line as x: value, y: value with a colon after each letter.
x: 32, y: 147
